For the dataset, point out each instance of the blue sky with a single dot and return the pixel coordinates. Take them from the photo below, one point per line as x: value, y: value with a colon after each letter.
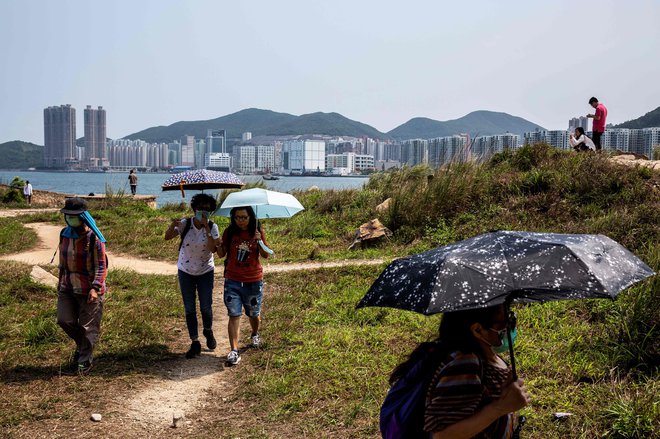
x: 381, y: 62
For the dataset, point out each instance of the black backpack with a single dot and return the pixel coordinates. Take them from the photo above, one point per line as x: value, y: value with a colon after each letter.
x: 186, y: 228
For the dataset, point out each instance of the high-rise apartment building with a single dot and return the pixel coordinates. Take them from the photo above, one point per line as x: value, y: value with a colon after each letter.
x: 95, y: 138
x: 580, y: 121
x: 187, y: 151
x: 216, y: 141
x: 60, y: 136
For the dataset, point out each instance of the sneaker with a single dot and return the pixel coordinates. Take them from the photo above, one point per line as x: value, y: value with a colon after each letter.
x: 233, y: 357
x: 84, y: 367
x: 210, y: 339
x: 195, y: 349
x: 256, y: 341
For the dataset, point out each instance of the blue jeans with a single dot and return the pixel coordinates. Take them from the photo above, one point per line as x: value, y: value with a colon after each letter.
x: 191, y: 286
x: 245, y: 295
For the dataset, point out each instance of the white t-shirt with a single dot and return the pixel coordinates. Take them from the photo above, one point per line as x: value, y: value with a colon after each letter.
x: 27, y: 190
x: 582, y: 139
x: 194, y: 258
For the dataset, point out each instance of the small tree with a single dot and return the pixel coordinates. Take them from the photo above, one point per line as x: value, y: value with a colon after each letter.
x: 17, y: 182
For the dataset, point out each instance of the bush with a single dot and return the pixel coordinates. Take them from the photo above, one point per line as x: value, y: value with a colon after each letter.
x: 13, y: 196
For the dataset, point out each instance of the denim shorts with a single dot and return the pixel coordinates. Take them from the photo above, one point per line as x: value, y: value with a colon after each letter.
x: 246, y: 295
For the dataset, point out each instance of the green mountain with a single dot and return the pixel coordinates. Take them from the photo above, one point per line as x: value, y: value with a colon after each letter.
x: 333, y: 124
x: 477, y: 123
x: 650, y: 119
x: 269, y: 123
x: 258, y: 122
x: 21, y: 155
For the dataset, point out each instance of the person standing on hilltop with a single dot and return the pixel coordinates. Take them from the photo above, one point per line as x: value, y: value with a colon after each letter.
x: 132, y: 180
x: 27, y: 192
x: 600, y: 118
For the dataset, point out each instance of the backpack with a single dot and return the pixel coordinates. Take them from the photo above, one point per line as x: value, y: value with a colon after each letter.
x: 186, y: 228
x: 402, y: 412
x: 92, y: 244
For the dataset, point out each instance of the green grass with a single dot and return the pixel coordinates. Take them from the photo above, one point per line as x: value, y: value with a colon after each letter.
x: 325, y: 367
x: 14, y: 237
x: 138, y: 324
x: 323, y: 371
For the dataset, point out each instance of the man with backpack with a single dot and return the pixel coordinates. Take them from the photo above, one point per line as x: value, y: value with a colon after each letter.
x: 196, y: 268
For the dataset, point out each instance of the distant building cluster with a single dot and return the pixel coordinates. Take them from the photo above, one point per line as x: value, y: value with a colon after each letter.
x: 295, y: 155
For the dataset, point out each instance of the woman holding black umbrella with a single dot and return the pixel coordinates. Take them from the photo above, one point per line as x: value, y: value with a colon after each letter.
x: 472, y: 392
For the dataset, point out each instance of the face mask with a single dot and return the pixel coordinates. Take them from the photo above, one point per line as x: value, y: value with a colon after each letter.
x: 504, y: 339
x: 202, y: 214
x: 73, y: 220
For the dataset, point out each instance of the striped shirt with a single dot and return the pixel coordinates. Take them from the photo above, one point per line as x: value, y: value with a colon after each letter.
x: 460, y: 387
x: 80, y: 269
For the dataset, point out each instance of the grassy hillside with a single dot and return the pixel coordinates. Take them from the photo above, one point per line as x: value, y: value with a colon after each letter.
x: 323, y: 371
x: 21, y: 155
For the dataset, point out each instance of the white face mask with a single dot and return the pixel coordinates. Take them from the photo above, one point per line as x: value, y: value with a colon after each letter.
x: 73, y: 220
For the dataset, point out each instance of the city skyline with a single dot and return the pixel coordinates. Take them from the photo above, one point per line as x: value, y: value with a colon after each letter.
x: 381, y: 63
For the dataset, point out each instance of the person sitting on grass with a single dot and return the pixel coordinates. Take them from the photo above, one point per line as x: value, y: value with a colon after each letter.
x: 580, y: 142
x: 196, y: 267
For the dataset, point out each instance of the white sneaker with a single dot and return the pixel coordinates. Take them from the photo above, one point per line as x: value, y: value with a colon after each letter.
x: 256, y: 341
x: 233, y: 357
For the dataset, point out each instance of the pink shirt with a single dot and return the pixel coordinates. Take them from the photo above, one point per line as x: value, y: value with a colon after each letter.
x: 601, y: 114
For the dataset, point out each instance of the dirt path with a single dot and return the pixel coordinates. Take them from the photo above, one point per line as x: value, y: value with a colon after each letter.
x: 181, y: 385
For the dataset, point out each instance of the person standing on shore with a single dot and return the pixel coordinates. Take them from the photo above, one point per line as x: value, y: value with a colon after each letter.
x: 600, y: 118
x: 132, y: 180
x: 196, y: 267
x: 27, y: 192
x: 81, y: 285
x: 243, y: 275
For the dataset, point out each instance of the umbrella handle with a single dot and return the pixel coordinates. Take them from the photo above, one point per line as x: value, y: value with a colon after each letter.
x: 181, y: 183
x: 513, y: 359
x: 509, y: 329
x: 264, y: 247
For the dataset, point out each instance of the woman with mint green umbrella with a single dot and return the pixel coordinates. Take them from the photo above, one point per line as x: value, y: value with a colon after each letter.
x: 196, y: 267
x: 81, y: 285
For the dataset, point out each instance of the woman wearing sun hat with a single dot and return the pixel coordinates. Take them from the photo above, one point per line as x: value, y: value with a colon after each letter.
x: 81, y: 286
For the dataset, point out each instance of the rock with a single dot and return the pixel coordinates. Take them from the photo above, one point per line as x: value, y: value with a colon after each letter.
x: 41, y: 276
x: 176, y: 418
x: 384, y: 205
x: 314, y: 188
x: 96, y: 417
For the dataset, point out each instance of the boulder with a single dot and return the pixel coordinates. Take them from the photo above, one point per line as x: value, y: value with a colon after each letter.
x: 369, y: 233
x: 384, y: 205
x: 41, y: 276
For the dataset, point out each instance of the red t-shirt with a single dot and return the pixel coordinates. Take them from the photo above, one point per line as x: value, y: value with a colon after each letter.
x: 601, y: 113
x: 243, y: 257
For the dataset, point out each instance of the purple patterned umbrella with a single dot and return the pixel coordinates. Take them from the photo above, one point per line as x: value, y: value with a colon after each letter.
x: 201, y: 179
